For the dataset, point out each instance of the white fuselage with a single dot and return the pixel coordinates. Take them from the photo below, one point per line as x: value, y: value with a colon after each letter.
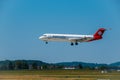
x: 66, y: 37
x: 73, y: 38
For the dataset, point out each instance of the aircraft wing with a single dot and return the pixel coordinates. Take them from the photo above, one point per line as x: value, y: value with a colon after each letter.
x: 84, y: 39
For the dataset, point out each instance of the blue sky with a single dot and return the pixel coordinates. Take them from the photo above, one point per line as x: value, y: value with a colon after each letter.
x: 23, y: 21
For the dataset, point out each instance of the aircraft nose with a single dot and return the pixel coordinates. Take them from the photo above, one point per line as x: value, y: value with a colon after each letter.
x: 41, y: 37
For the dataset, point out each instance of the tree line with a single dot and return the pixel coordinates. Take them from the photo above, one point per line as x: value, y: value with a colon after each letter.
x: 39, y: 65
x: 26, y: 65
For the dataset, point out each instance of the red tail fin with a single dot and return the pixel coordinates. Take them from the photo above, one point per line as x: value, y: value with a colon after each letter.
x: 99, y: 33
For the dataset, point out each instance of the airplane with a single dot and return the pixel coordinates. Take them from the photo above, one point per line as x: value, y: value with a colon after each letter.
x: 73, y: 38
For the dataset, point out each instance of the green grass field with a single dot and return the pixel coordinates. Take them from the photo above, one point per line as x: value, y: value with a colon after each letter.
x: 58, y: 75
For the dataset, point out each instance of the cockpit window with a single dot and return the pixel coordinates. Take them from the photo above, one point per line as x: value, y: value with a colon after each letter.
x: 44, y: 35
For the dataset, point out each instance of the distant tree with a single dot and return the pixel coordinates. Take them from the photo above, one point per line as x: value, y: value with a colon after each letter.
x: 18, y: 64
x: 80, y: 66
x: 103, y: 67
x: 3, y: 67
x: 34, y: 65
x: 10, y: 65
x: 60, y: 67
x: 87, y: 68
x: 24, y: 65
x: 45, y: 66
x: 21, y: 64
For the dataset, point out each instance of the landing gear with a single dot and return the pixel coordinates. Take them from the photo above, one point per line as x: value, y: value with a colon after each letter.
x: 46, y: 42
x: 72, y: 44
x: 76, y: 43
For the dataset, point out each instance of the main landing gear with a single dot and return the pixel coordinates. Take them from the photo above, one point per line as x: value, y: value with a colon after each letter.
x: 76, y: 43
x: 72, y: 44
x: 46, y: 42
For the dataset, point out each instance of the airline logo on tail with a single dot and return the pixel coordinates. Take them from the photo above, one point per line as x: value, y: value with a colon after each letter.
x: 99, y: 33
